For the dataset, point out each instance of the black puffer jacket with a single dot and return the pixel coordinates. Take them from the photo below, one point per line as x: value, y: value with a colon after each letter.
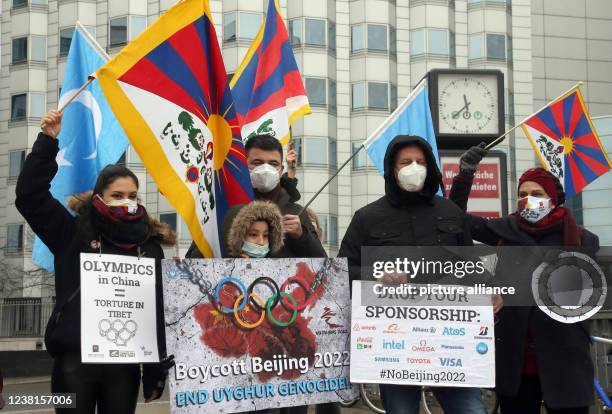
x: 400, y: 218
x: 562, y: 350
x: 57, y: 228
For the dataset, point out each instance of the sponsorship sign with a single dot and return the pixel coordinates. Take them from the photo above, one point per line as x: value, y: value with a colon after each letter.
x: 433, y: 341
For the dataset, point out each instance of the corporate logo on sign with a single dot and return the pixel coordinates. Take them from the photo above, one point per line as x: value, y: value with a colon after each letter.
x: 451, y: 362
x: 451, y: 347
x: 359, y: 328
x: 393, y: 329
x: 483, y: 332
x: 364, y: 342
x: 482, y: 348
x: 424, y: 330
x: 418, y: 361
x: 363, y: 346
x: 423, y: 347
x: 453, y: 331
x: 387, y: 359
x: 392, y: 344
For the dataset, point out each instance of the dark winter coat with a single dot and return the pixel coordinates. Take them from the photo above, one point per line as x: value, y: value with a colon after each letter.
x: 562, y: 351
x: 308, y: 245
x: 400, y: 218
x: 57, y: 228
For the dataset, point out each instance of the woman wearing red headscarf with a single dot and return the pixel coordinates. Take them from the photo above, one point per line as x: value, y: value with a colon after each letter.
x: 537, y: 358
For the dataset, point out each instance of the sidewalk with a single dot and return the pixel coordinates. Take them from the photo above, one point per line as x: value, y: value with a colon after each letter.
x: 42, y: 386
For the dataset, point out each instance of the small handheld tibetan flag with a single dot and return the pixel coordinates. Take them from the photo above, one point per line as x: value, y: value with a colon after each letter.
x: 565, y: 141
x: 267, y: 87
x: 169, y: 90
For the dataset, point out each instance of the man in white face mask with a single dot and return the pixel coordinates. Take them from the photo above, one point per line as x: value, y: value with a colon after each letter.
x: 410, y: 214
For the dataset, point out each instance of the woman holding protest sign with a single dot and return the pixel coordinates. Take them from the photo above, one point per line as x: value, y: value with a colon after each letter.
x: 108, y: 221
x: 535, y: 354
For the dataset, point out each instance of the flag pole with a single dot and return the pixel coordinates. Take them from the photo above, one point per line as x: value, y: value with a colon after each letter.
x: 344, y: 164
x: 365, y: 143
x: 501, y: 137
x: 77, y: 93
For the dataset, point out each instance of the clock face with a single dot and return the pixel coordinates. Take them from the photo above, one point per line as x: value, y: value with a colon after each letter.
x: 467, y: 104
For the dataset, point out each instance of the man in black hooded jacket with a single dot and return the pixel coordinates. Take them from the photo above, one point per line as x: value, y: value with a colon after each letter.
x: 411, y: 214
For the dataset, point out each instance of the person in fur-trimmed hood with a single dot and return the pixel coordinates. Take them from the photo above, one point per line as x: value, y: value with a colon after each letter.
x: 109, y: 220
x: 253, y: 230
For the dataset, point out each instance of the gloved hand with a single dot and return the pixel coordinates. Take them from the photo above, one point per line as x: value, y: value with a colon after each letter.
x: 468, y: 163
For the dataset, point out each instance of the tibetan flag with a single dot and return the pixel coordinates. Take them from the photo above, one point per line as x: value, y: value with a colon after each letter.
x: 565, y: 141
x: 268, y: 90
x: 169, y: 90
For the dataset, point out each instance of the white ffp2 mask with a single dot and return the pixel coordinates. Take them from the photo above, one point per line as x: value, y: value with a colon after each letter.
x: 264, y: 178
x: 412, y: 177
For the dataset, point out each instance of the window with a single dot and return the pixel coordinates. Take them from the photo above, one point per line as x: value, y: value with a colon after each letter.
x: 20, y: 50
x: 332, y: 95
x: 377, y: 37
x: 392, y: 40
x: 18, y: 107
x: 315, y: 32
x: 39, y: 48
x: 243, y: 25
x: 437, y: 41
x: 378, y: 97
x: 295, y: 32
x: 323, y: 221
x: 296, y: 143
x: 331, y: 35
x: 393, y: 101
x: 315, y: 87
x: 417, y: 42
x: 16, y: 159
x: 14, y: 235
x: 358, y: 95
x: 316, y: 151
x: 185, y: 234
x: 169, y: 219
x: 357, y: 38
x: 229, y: 27
x: 496, y: 46
x: 138, y: 25
x: 65, y: 40
x: 333, y: 230
x: 430, y: 41
x: 41, y: 2
x: 359, y: 160
x: 249, y: 25
x: 332, y: 153
x: 19, y: 3
x: 118, y: 31
x: 37, y: 104
x: 475, y: 46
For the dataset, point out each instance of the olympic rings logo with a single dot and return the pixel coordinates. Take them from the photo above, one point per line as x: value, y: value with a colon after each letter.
x: 248, y: 298
x: 117, y: 331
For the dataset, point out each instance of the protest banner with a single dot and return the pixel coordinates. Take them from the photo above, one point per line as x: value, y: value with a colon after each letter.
x: 250, y: 334
x: 118, y: 313
x: 437, y: 340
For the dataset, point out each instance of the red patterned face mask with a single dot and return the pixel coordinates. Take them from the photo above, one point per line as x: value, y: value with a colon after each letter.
x: 122, y: 210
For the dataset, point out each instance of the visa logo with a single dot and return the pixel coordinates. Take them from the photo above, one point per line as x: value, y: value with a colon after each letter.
x: 393, y: 344
x: 454, y: 331
x: 451, y: 362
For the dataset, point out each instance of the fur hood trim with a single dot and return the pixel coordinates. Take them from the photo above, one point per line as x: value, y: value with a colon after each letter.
x: 250, y: 213
x: 80, y: 202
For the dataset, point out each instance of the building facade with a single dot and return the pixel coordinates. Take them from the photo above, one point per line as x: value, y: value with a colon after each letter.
x: 358, y: 58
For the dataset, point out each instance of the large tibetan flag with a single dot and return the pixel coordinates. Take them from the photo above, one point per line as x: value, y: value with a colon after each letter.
x: 169, y: 90
x: 565, y: 141
x: 268, y: 90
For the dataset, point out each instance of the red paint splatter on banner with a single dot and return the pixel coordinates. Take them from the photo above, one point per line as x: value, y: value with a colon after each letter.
x: 227, y: 339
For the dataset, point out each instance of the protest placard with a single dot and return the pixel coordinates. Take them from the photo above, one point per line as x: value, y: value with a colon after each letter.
x: 249, y: 334
x: 118, y: 312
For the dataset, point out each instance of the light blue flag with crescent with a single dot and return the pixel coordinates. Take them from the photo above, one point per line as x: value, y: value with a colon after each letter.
x: 412, y: 117
x: 91, y: 137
